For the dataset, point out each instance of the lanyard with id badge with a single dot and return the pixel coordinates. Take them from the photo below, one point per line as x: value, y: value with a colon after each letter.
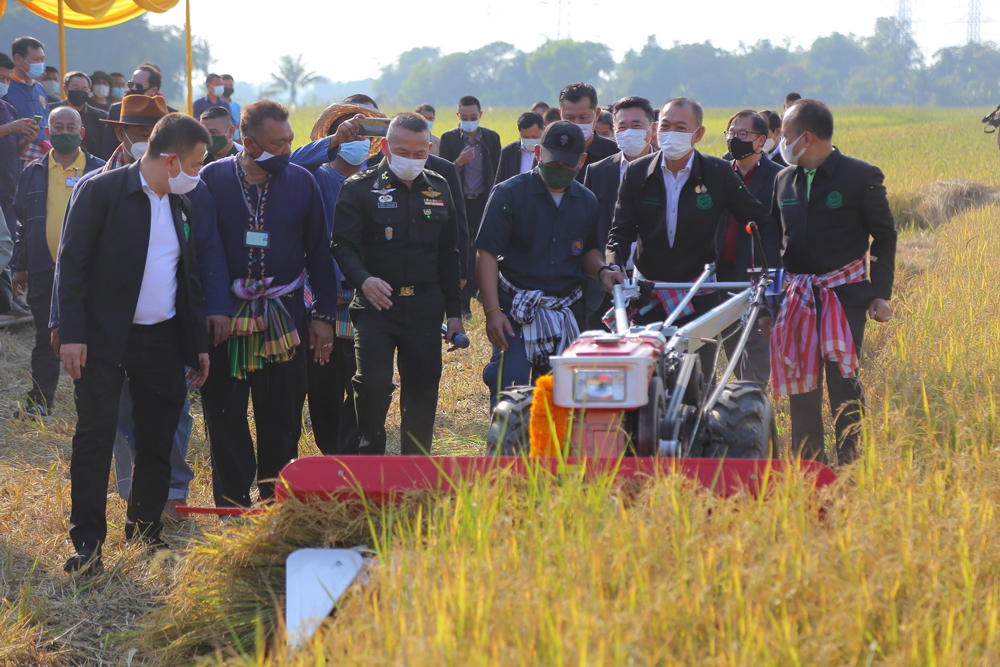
x: 71, y: 181
x: 255, y: 238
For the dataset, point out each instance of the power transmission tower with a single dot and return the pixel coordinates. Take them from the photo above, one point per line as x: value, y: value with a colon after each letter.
x: 975, y: 18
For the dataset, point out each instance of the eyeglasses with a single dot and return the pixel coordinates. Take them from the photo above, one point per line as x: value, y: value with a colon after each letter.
x: 741, y: 134
x: 137, y: 87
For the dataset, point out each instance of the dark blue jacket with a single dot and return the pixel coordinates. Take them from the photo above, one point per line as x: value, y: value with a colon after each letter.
x: 31, y: 248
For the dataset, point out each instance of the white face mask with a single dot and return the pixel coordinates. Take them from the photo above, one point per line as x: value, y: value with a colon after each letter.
x: 529, y: 144
x: 182, y: 183
x: 786, y: 150
x: 100, y: 90
x: 675, y: 145
x: 587, y: 129
x: 469, y: 126
x: 52, y: 87
x: 406, y: 169
x: 768, y: 145
x: 218, y: 90
x: 137, y: 149
x: 632, y: 142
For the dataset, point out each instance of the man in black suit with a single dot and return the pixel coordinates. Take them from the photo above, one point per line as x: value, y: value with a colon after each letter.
x: 146, y: 80
x: 518, y: 157
x: 131, y: 306
x: 578, y: 104
x: 834, y: 213
x: 671, y: 202
x: 736, y: 255
x: 475, y: 150
x: 634, y: 132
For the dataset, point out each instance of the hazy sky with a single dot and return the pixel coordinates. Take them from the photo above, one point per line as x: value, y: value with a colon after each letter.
x: 248, y: 36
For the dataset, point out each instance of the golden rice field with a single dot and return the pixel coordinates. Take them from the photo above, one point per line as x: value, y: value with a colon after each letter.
x: 901, y: 566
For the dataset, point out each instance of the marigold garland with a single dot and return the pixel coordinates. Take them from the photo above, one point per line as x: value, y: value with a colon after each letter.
x: 547, y: 420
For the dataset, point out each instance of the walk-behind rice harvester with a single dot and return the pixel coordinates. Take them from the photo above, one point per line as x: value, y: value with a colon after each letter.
x: 637, y: 401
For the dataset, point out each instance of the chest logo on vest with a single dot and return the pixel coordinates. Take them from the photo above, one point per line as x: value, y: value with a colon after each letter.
x: 577, y: 247
x: 834, y: 199
x: 704, y: 201
x: 388, y: 233
x: 430, y: 193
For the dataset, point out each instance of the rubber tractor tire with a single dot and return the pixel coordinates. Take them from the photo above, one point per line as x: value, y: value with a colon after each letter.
x: 510, y: 433
x: 741, y: 425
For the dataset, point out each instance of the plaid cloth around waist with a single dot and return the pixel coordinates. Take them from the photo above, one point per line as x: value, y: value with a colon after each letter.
x: 342, y: 327
x: 547, y: 323
x: 798, y: 346
x: 262, y: 330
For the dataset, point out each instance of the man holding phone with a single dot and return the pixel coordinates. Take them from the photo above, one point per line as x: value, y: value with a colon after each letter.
x: 27, y: 95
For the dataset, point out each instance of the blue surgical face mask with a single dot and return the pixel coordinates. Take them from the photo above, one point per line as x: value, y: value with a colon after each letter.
x: 469, y: 126
x: 3, y: 89
x: 355, y: 152
x: 430, y: 125
x: 36, y: 70
x: 118, y: 93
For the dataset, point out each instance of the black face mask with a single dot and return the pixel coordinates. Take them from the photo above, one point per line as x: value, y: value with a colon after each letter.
x: 77, y: 98
x: 740, y: 149
x: 227, y: 92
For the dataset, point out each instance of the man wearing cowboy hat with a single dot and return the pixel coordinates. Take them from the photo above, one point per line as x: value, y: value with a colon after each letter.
x: 139, y: 113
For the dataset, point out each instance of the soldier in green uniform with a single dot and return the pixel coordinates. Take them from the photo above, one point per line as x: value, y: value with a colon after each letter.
x: 395, y: 234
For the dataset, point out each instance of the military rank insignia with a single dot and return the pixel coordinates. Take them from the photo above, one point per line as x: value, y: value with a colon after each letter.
x: 430, y: 193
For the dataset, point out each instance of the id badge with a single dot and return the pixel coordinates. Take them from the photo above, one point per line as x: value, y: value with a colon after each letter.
x: 256, y: 239
x: 71, y: 181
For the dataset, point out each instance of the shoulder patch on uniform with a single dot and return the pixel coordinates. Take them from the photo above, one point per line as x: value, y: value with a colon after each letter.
x: 364, y: 173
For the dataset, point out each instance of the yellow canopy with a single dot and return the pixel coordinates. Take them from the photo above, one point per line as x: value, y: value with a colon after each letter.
x: 89, y: 14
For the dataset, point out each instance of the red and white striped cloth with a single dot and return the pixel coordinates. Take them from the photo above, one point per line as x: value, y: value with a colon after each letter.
x: 797, y: 348
x: 35, y: 151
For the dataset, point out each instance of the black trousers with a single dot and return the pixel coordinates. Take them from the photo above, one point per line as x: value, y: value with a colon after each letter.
x: 44, y: 362
x: 755, y: 366
x: 412, y: 329
x: 155, y: 370
x: 847, y: 403
x: 334, y: 421
x: 278, y: 392
x: 474, y: 209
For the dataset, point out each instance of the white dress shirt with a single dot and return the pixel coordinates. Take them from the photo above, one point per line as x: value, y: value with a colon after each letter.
x: 673, y: 185
x: 526, y: 158
x: 158, y: 292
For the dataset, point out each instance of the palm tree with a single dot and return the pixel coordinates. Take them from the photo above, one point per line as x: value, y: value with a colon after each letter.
x: 292, y: 77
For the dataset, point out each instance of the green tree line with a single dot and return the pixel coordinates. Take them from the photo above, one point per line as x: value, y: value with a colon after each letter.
x: 885, y: 68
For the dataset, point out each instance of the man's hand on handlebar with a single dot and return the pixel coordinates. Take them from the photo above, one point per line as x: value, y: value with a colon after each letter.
x: 611, y: 277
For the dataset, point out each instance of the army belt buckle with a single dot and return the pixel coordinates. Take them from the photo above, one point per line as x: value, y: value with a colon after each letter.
x: 406, y: 291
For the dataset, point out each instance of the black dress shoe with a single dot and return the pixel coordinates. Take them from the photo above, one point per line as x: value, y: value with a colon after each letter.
x: 84, y: 562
